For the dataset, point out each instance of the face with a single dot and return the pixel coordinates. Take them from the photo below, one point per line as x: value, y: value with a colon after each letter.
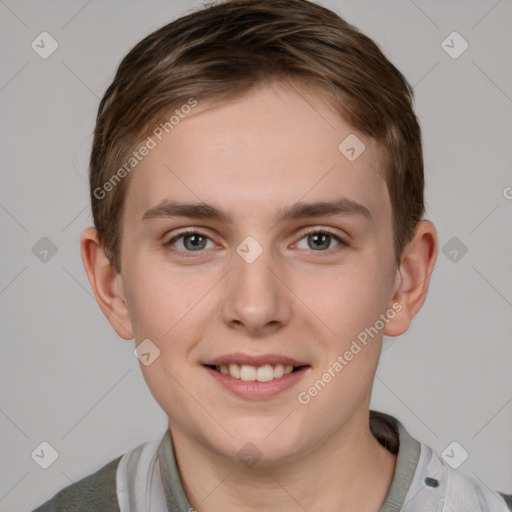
x: 282, y: 262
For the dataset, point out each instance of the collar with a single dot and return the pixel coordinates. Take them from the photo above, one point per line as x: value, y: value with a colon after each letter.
x: 388, y: 431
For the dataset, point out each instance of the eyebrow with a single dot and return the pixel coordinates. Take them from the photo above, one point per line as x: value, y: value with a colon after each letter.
x: 300, y: 210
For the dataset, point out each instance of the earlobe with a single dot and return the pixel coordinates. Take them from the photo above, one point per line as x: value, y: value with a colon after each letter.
x: 413, y: 277
x: 106, y: 284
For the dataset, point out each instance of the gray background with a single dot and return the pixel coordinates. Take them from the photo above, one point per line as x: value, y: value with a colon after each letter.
x: 68, y: 379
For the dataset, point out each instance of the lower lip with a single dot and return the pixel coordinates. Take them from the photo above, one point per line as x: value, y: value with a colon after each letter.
x: 255, y: 390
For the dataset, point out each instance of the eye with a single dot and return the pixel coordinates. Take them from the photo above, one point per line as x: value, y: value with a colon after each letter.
x: 190, y: 241
x: 320, y: 240
x: 196, y: 241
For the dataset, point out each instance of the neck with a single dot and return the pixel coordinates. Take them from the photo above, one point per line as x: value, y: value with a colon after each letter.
x: 351, y: 470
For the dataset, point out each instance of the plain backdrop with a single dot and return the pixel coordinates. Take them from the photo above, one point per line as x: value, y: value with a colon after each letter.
x: 67, y: 379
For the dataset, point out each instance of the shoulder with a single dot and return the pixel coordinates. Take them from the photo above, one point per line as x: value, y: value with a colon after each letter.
x: 463, y: 489
x: 508, y: 499
x: 425, y: 481
x: 457, y: 491
x: 94, y: 492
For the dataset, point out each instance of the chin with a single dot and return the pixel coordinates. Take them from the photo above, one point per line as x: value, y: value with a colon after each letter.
x: 271, y: 440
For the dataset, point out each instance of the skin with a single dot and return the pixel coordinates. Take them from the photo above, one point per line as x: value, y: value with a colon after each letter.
x: 253, y: 157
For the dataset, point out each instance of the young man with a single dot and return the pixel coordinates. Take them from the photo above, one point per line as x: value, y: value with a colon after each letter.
x: 257, y: 192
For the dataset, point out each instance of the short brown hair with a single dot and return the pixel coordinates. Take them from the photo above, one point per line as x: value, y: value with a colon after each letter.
x: 220, y: 52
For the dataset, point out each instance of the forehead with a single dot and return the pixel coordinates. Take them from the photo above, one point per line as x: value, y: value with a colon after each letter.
x: 278, y: 144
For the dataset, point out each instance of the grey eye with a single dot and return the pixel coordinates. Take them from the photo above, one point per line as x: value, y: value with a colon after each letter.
x: 190, y: 242
x: 319, y: 241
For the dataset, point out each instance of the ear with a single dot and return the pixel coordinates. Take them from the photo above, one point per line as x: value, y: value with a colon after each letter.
x: 106, y: 283
x: 413, y: 277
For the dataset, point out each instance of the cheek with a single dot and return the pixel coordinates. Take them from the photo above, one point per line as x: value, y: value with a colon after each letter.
x: 350, y: 306
x: 168, y: 306
x: 350, y: 301
x: 168, y: 309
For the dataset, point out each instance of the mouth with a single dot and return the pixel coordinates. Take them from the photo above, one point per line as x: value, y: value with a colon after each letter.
x: 256, y: 377
x: 262, y: 373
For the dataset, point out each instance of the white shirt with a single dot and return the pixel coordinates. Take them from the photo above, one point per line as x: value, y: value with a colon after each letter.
x: 422, y: 482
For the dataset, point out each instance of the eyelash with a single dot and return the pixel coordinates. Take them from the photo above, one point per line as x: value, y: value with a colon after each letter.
x: 170, y: 242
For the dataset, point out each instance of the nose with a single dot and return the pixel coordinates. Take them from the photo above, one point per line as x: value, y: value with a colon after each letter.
x: 256, y: 300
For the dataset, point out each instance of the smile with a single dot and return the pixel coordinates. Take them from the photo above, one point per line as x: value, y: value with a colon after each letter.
x: 256, y: 377
x: 249, y: 373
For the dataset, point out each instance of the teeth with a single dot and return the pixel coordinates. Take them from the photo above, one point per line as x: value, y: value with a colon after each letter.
x: 248, y: 373
x: 278, y: 371
x: 265, y: 373
x: 234, y: 370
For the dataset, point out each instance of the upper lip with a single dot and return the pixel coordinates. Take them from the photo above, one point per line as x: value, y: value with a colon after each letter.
x: 253, y: 360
